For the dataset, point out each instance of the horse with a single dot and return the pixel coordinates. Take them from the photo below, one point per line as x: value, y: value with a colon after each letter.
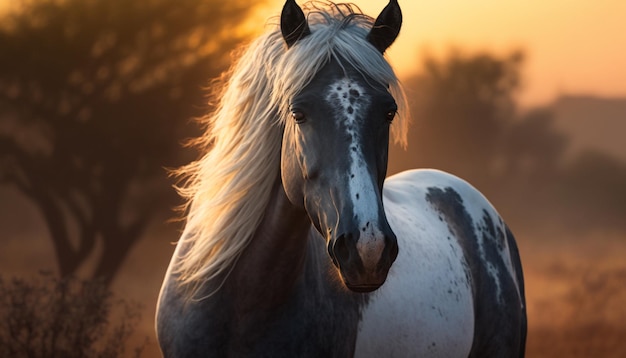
x: 295, y: 242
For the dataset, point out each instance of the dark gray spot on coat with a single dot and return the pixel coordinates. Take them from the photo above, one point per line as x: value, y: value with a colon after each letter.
x: 500, y: 325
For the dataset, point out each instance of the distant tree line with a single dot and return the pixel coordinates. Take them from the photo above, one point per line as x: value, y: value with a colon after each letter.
x: 466, y: 121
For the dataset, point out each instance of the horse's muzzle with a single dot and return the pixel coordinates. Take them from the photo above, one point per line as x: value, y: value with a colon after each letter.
x: 364, y: 262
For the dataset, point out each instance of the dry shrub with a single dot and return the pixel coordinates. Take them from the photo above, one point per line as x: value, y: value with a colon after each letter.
x: 69, y: 318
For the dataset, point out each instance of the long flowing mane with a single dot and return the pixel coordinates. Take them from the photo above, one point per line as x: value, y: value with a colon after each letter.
x: 228, y: 189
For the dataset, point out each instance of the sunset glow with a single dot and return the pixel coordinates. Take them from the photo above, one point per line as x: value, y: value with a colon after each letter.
x: 122, y: 133
x: 572, y: 47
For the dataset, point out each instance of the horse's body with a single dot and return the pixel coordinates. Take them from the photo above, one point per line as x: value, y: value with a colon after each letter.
x: 472, y: 296
x: 316, y: 258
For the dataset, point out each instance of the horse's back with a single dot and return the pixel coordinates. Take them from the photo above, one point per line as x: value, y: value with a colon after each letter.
x: 456, y: 287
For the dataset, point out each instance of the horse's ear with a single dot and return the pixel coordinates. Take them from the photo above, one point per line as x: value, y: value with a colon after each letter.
x: 293, y: 24
x: 387, y: 27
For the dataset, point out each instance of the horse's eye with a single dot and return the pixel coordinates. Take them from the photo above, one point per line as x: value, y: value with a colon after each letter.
x: 298, y: 116
x: 391, y: 115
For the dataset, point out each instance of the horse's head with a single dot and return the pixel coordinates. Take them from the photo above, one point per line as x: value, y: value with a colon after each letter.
x: 334, y: 154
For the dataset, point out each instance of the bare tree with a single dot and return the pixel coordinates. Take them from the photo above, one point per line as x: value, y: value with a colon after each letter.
x: 95, y: 97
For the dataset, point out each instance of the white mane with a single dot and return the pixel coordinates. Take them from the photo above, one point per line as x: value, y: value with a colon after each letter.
x: 228, y: 189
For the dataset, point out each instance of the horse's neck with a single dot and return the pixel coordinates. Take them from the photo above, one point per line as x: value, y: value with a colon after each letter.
x: 271, y: 300
x: 268, y: 269
x: 280, y: 285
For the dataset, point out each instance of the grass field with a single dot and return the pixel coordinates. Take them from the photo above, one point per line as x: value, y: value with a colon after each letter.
x: 575, y: 291
x: 575, y: 285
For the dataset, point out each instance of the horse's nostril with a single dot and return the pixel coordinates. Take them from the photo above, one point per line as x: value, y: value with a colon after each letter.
x: 392, y: 244
x: 340, y: 248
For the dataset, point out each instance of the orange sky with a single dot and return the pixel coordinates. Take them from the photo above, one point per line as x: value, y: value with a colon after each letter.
x: 572, y: 46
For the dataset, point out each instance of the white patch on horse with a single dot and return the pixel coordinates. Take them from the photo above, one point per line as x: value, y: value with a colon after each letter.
x: 350, y: 101
x: 425, y: 308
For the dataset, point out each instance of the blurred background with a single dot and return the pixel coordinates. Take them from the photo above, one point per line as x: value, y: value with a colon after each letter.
x: 526, y: 101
